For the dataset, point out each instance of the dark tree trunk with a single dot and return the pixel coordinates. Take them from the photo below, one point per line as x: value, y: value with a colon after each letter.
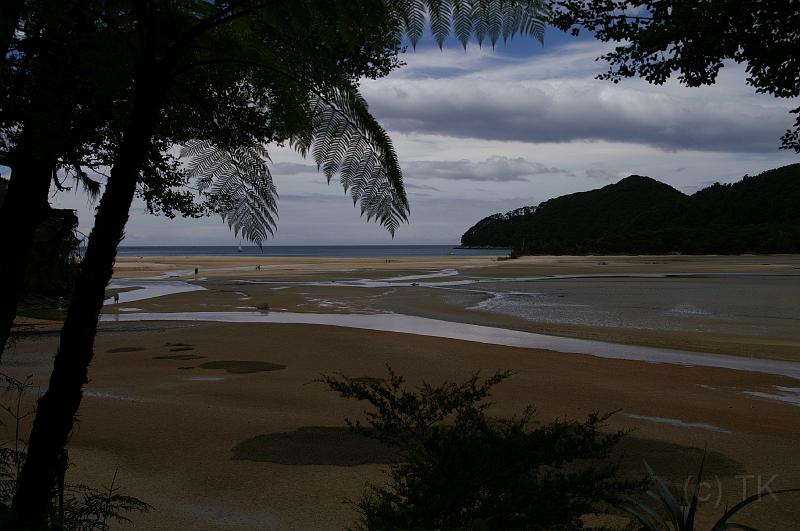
x: 46, y: 133
x: 24, y: 208
x: 57, y: 408
x: 10, y: 11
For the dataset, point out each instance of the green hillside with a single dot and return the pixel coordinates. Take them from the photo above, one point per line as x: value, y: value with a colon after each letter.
x: 640, y: 215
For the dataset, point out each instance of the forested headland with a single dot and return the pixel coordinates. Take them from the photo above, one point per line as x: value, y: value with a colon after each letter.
x: 640, y: 215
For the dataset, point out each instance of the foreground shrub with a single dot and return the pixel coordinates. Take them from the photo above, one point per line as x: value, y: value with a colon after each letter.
x: 73, y: 507
x: 459, y: 468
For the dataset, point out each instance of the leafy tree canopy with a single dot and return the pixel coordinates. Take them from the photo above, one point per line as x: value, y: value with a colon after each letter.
x: 658, y: 38
x: 238, y: 76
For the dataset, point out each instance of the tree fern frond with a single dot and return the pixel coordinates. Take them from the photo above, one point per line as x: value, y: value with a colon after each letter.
x: 412, y: 13
x: 346, y: 139
x: 441, y: 14
x: 237, y: 184
x: 462, y: 21
x: 481, y: 19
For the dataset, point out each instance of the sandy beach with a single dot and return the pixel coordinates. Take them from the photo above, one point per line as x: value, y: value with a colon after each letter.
x: 220, y: 425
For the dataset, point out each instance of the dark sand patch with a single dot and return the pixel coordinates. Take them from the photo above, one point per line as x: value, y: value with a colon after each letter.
x: 186, y: 368
x: 180, y: 349
x: 314, y: 445
x: 125, y: 349
x: 673, y: 462
x: 340, y: 446
x: 168, y: 344
x: 182, y: 357
x: 242, y: 366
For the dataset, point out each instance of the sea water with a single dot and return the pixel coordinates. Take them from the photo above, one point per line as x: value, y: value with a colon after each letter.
x: 312, y: 251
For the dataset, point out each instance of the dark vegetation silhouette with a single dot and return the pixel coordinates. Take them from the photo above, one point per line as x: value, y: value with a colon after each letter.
x: 42, y: 129
x: 456, y: 467
x: 109, y: 87
x: 53, y: 261
x: 460, y: 468
x: 222, y: 80
x: 658, y: 38
x: 175, y: 44
x: 72, y: 507
x: 639, y: 215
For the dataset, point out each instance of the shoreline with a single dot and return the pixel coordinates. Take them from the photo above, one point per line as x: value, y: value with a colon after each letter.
x: 322, y: 285
x: 220, y: 425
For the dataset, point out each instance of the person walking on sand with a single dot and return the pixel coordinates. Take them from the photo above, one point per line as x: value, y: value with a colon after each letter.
x: 116, y: 298
x: 196, y: 270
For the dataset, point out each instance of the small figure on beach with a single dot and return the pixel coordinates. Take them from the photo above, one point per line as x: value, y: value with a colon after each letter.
x: 60, y: 302
x: 258, y: 268
x: 196, y: 270
x: 116, y: 298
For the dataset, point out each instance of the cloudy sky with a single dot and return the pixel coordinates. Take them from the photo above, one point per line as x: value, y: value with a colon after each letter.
x: 485, y: 131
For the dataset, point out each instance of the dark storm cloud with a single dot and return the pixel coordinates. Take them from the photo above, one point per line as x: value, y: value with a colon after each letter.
x: 577, y: 110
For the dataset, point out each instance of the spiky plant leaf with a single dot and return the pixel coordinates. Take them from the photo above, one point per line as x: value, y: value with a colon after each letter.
x: 662, y: 494
x: 682, y: 517
x: 723, y: 523
x: 645, y: 515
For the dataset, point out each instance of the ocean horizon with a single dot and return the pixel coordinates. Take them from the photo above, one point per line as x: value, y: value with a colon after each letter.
x: 308, y: 251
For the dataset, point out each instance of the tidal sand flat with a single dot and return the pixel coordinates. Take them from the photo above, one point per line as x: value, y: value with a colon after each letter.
x: 238, y: 435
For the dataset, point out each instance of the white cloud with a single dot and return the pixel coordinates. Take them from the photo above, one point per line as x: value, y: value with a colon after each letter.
x: 566, y: 110
x: 494, y: 168
x: 483, y: 132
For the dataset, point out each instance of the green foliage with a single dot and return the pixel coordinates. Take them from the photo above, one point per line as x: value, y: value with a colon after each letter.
x: 236, y: 77
x: 656, y: 38
x: 239, y: 185
x: 91, y: 509
x: 344, y: 138
x: 642, y: 216
x: 75, y: 507
x: 480, y: 19
x: 459, y: 468
x: 670, y: 514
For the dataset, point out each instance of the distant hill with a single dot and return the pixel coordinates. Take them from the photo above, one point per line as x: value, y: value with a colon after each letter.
x: 640, y: 215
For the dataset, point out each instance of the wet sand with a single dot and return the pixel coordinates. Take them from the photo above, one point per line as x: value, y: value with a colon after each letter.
x: 172, y: 423
x: 220, y: 425
x: 675, y: 302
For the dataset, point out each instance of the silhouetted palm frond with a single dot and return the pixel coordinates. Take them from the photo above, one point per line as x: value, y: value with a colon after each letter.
x: 345, y: 139
x: 237, y: 184
x: 481, y: 19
